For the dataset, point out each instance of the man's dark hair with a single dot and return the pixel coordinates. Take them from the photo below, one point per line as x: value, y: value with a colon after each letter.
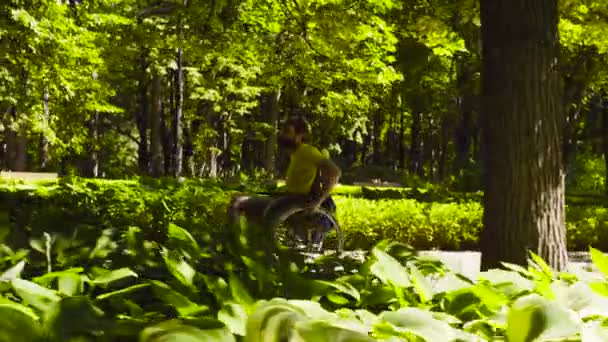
x: 299, y: 124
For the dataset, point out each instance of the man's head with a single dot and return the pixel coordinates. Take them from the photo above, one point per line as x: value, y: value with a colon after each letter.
x: 294, y: 132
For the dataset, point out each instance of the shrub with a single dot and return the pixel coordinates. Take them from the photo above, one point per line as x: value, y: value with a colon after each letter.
x: 80, y: 206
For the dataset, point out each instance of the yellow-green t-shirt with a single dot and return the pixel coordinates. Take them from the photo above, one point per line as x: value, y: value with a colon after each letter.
x: 302, y: 168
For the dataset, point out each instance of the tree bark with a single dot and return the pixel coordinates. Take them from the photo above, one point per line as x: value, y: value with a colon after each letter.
x: 44, y: 143
x: 522, y: 121
x: 605, y: 138
x: 415, y: 152
x: 141, y: 118
x: 156, y: 117
x: 271, y: 141
x: 179, y: 103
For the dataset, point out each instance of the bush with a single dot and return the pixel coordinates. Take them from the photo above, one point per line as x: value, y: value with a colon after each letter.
x: 81, y: 206
x: 423, y: 225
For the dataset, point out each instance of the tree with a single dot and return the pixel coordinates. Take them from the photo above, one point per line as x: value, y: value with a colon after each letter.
x: 522, y: 128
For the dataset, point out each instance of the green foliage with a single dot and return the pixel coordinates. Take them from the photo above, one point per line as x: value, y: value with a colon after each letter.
x: 393, y: 296
x: 109, y: 216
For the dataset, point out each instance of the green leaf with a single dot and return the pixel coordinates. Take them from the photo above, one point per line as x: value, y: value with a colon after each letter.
x: 111, y: 278
x: 178, y: 332
x: 600, y: 260
x: 239, y: 292
x: 234, y: 316
x: 74, y: 316
x: 422, y: 285
x: 600, y: 287
x: 180, y: 234
x: 180, y: 269
x: 343, y: 287
x: 18, y: 324
x: 532, y: 317
x: 540, y: 263
x: 323, y: 331
x: 121, y: 292
x: 35, y: 295
x: 415, y: 321
x: 389, y: 270
x: 181, y: 303
x: 272, y: 319
x: 13, y: 272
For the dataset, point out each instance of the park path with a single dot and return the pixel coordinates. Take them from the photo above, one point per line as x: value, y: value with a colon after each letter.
x: 468, y: 262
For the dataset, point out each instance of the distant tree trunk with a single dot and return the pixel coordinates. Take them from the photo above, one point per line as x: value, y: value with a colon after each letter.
x: 188, y: 150
x: 376, y: 140
x: 443, y: 150
x: 156, y: 118
x: 271, y: 141
x: 16, y: 144
x: 402, y: 148
x: 415, y: 153
x: 605, y: 138
x: 167, y: 132
x: 179, y: 104
x: 44, y: 143
x: 93, y: 157
x: 142, y: 118
x: 522, y: 129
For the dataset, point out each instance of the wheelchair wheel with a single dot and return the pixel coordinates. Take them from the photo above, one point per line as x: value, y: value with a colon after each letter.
x: 284, y: 234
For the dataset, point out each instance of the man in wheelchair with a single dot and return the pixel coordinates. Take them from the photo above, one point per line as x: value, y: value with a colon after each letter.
x: 311, y: 176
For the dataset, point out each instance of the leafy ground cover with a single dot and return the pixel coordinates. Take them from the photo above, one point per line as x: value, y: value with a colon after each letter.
x: 393, y: 296
x: 77, y: 205
x: 151, y: 261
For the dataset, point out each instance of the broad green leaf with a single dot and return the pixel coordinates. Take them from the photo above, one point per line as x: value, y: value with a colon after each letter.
x: 540, y: 263
x: 389, y: 270
x: 344, y: 287
x: 600, y: 260
x: 532, y: 317
x: 239, y: 292
x: 70, y: 284
x: 181, y: 303
x: 180, y: 234
x: 600, y: 287
x: 272, y: 319
x: 13, y: 272
x: 415, y: 321
x: 35, y: 295
x: 312, y: 309
x: 73, y: 316
x: 175, y: 331
x: 180, y: 269
x: 421, y: 284
x: 111, y: 278
x: 18, y: 324
x: 234, y: 316
x: 309, y: 331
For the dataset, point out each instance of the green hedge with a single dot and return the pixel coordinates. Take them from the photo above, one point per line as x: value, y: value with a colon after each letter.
x: 78, y: 206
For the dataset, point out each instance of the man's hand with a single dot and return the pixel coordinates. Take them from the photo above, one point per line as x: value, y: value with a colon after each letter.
x: 313, y: 203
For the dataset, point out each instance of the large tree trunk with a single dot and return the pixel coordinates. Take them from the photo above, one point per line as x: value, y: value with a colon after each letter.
x: 522, y: 118
x: 156, y: 118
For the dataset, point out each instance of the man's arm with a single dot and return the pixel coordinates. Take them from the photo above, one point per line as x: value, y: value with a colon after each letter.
x: 329, y: 175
